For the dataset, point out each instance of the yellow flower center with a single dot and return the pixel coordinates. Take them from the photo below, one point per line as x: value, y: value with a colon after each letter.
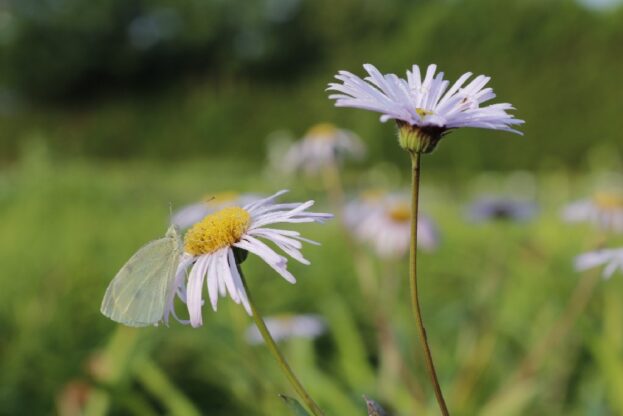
x: 400, y: 213
x: 423, y: 113
x: 322, y: 131
x: 608, y: 201
x: 220, y: 198
x: 220, y: 229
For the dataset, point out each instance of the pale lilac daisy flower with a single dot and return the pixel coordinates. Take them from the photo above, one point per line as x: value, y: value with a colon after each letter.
x: 611, y: 258
x: 424, y: 108
x: 323, y: 145
x: 209, y: 251
x: 501, y: 208
x: 190, y: 214
x: 604, y: 210
x: 384, y: 222
x: 284, y: 327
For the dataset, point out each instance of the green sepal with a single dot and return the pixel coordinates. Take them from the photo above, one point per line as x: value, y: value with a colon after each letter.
x: 415, y: 139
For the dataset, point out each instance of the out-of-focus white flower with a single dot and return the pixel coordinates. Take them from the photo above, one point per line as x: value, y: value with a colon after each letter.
x: 500, y: 208
x: 611, y: 258
x: 323, y: 145
x: 383, y: 221
x: 289, y: 326
x: 604, y: 210
x: 209, y: 251
x: 190, y: 214
x: 424, y: 107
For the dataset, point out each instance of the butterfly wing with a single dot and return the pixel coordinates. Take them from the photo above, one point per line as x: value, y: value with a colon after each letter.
x: 137, y: 294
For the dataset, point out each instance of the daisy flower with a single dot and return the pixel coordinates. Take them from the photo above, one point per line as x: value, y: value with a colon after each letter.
x: 604, y: 209
x: 500, y: 208
x: 193, y: 213
x: 611, y: 258
x: 424, y: 108
x: 323, y: 145
x: 383, y: 220
x: 289, y: 326
x: 210, y: 246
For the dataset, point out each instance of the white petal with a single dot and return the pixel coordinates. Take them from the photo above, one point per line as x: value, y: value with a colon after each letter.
x: 277, y: 262
x: 238, y: 281
x: 225, y: 274
x: 194, y: 290
x: 213, y: 282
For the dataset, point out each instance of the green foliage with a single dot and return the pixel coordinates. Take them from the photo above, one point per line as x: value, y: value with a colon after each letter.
x: 489, y: 294
x: 201, y: 90
x: 294, y: 406
x: 134, y: 120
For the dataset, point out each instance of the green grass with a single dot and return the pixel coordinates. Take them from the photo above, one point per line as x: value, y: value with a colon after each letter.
x: 489, y: 293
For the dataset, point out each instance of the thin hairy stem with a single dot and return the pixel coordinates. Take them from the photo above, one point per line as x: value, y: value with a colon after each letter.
x: 415, y: 302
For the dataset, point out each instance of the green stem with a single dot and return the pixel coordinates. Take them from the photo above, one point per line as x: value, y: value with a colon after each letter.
x: 333, y: 185
x: 272, y: 346
x: 363, y: 268
x: 577, y: 303
x: 415, y: 303
x: 156, y: 382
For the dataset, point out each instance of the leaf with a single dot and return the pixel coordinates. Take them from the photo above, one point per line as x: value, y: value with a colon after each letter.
x: 374, y: 409
x: 294, y: 405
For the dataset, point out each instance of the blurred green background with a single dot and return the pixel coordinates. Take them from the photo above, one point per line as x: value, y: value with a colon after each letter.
x: 110, y: 111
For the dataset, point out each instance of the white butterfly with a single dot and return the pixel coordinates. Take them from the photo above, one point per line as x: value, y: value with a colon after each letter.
x: 138, y: 294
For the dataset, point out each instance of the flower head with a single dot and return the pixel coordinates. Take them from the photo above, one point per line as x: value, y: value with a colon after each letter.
x: 384, y: 221
x: 289, y: 326
x: 424, y: 107
x: 193, y: 213
x: 499, y: 208
x: 604, y: 209
x: 323, y: 145
x: 209, y: 250
x: 611, y: 258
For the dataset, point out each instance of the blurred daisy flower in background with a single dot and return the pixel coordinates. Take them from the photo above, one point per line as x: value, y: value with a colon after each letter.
x: 188, y: 215
x: 424, y: 108
x: 611, y: 258
x: 322, y: 146
x: 288, y: 326
x: 209, y: 250
x: 604, y: 210
x: 492, y: 208
x: 383, y: 221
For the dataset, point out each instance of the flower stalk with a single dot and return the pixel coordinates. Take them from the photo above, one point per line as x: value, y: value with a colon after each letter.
x: 578, y: 301
x: 274, y: 350
x: 415, y: 303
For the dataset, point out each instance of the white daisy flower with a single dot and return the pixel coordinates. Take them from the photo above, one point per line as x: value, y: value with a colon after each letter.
x: 209, y: 250
x: 604, y: 209
x: 424, y: 108
x: 323, y: 145
x: 384, y: 221
x: 611, y: 258
x: 193, y: 213
x: 288, y: 326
